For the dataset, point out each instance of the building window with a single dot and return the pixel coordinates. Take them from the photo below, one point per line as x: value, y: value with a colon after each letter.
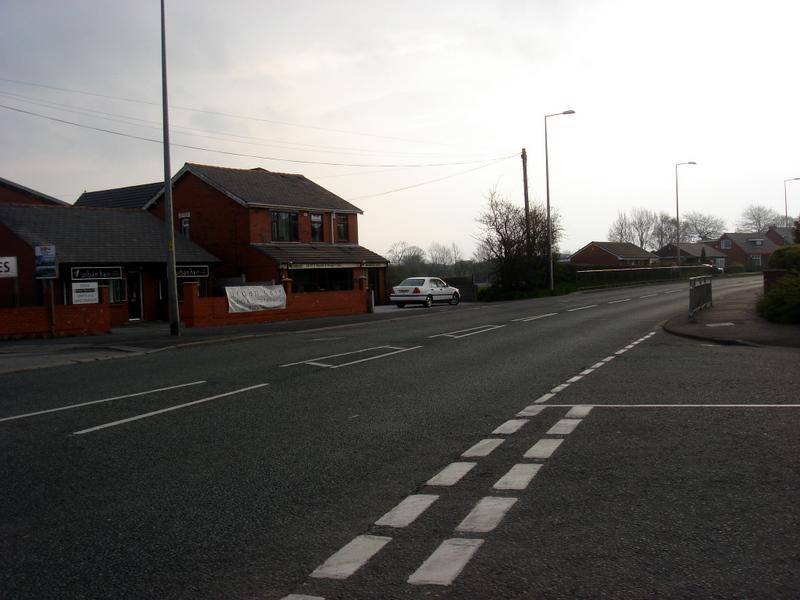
x: 756, y: 260
x: 341, y: 229
x: 316, y: 228
x: 284, y: 227
x: 726, y: 244
x: 185, y: 227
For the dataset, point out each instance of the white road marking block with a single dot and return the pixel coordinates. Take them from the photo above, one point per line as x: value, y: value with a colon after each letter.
x: 564, y: 427
x: 586, y: 372
x: 618, y: 301
x: 598, y: 365
x: 648, y: 296
x: 559, y: 388
x: 578, y: 412
x: 544, y: 398
x: 302, y: 596
x: 574, y: 379
x: 510, y: 426
x: 483, y: 448
x: 451, y: 474
x: 543, y: 448
x: 446, y: 563
x: 608, y: 359
x: 351, y: 557
x: 407, y: 511
x: 531, y: 411
x: 518, y: 477
x: 486, y: 515
x: 622, y: 351
x: 581, y: 308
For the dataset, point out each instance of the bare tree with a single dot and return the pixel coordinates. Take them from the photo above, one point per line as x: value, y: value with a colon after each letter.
x: 620, y: 230
x: 455, y: 253
x: 439, y: 254
x: 642, y: 222
x: 700, y: 226
x: 757, y: 218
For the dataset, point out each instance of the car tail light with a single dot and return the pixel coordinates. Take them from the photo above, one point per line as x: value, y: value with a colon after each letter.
x: 417, y: 291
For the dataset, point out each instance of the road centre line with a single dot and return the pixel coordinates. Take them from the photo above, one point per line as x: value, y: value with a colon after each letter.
x: 559, y: 388
x: 648, y: 296
x: 678, y: 405
x: 355, y: 362
x: 564, y: 427
x: 316, y: 362
x: 486, y: 515
x: 581, y: 308
x: 597, y: 365
x: 510, y: 426
x: 71, y: 406
x: 407, y: 511
x: 578, y: 412
x: 451, y: 474
x: 467, y: 332
x: 168, y: 409
x: 483, y: 448
x: 302, y: 597
x: 534, y: 318
x: 543, y: 449
x: 446, y: 562
x: 351, y: 557
x: 574, y: 379
x: 586, y: 372
x: 618, y: 301
x: 532, y: 411
x: 518, y: 477
x: 319, y: 358
x: 544, y: 397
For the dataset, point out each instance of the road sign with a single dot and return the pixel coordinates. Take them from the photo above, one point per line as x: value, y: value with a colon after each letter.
x: 8, y: 266
x: 46, y: 262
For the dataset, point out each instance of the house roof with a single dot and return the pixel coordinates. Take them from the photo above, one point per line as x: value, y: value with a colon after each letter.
x: 622, y: 250
x: 84, y: 235
x: 288, y: 255
x: 261, y: 188
x: 133, y: 196
x: 694, y: 249
x: 787, y: 233
x: 744, y: 241
x: 21, y: 189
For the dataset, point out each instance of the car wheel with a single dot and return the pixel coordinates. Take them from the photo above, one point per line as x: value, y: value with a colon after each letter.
x: 401, y: 304
x: 455, y: 300
x: 428, y: 301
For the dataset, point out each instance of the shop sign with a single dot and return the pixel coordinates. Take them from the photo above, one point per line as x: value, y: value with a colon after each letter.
x: 8, y: 266
x: 191, y: 271
x: 85, y: 292
x: 46, y: 262
x: 83, y: 273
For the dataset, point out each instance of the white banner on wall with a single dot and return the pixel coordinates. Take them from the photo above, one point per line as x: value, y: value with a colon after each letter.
x: 250, y: 298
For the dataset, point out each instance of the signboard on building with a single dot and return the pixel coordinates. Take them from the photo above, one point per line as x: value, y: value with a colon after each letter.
x: 46, y: 262
x: 8, y: 266
x: 84, y: 273
x: 85, y: 292
x: 250, y: 298
x: 191, y: 271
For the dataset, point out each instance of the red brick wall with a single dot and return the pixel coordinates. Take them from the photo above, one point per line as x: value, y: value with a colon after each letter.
x: 209, y: 312
x: 594, y: 255
x: 18, y: 197
x: 72, y: 319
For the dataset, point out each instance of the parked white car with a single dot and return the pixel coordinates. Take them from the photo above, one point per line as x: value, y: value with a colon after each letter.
x: 425, y: 291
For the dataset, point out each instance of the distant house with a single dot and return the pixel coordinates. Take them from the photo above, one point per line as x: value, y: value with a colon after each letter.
x: 273, y: 227
x: 613, y: 254
x: 750, y: 251
x: 122, y: 250
x: 15, y: 193
x: 693, y: 254
x: 133, y: 196
x: 780, y: 235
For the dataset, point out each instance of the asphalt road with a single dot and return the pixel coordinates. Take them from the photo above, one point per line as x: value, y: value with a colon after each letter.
x: 258, y: 469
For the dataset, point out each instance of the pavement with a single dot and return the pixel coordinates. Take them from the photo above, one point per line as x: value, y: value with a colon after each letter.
x: 731, y: 320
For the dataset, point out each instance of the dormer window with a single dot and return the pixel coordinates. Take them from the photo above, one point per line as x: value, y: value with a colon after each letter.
x: 756, y: 242
x: 284, y: 227
x: 726, y: 244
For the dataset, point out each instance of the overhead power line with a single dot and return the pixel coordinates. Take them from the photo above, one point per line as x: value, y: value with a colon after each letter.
x: 220, y: 113
x: 240, y: 154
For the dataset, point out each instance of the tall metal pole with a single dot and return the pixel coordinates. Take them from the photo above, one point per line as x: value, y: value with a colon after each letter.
x: 678, y: 214
x: 527, y: 206
x: 786, y: 222
x: 172, y: 285
x: 547, y: 184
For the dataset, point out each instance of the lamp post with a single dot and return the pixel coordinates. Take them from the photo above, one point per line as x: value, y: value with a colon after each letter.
x: 678, y: 214
x: 785, y: 201
x: 547, y: 183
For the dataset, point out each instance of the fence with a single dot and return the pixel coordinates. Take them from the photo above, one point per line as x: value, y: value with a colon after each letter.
x: 699, y: 294
x: 616, y: 277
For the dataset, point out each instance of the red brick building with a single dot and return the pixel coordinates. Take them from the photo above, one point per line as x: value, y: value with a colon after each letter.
x: 613, y: 254
x: 748, y: 250
x: 15, y: 193
x: 273, y: 227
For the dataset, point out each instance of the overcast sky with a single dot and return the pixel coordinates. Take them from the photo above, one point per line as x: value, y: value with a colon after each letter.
x: 375, y: 82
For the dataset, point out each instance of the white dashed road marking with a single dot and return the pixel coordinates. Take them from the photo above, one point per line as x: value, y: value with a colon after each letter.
x: 578, y: 412
x: 564, y: 427
x: 462, y: 333
x: 351, y: 557
x: 510, y: 426
x: 446, y: 563
x: 531, y: 411
x: 407, y: 511
x: 317, y: 362
x: 574, y: 379
x: 518, y: 477
x: 559, y: 388
x: 483, y: 448
x: 618, y: 301
x: 486, y: 515
x: 543, y: 448
x: 451, y: 474
x: 534, y: 318
x: 581, y: 308
x: 302, y: 597
x: 544, y: 398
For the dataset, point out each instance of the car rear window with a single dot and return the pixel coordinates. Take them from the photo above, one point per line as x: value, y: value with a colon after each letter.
x: 413, y: 281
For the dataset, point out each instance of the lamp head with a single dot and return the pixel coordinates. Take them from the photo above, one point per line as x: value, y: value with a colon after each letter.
x: 568, y: 112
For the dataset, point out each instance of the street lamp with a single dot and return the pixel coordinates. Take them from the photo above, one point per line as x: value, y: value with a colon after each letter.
x: 547, y: 180
x: 678, y: 214
x: 785, y: 202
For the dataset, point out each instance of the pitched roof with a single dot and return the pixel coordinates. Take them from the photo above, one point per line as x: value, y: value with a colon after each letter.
x: 133, y: 196
x: 691, y: 249
x: 622, y: 250
x: 787, y: 233
x: 21, y: 189
x: 744, y: 241
x: 313, y: 254
x: 261, y: 188
x: 83, y: 235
